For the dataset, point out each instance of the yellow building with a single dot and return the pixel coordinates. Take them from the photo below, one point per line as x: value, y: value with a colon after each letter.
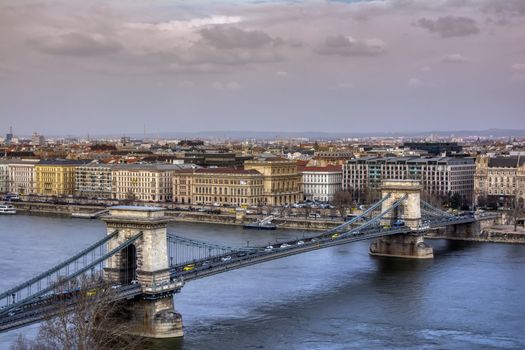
x: 282, y: 182
x: 224, y: 186
x: 55, y: 177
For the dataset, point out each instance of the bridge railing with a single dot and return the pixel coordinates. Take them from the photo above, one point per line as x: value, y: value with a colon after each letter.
x: 376, y: 219
x: 183, y: 251
x: 359, y: 217
x: 61, y: 280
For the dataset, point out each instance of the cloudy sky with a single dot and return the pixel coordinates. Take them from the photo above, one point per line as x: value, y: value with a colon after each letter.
x: 85, y: 66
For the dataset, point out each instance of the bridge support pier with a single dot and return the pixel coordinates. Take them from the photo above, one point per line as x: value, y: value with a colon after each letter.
x: 402, y: 246
x: 153, y: 318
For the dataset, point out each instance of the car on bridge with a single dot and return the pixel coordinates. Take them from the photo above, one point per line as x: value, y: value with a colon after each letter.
x: 226, y: 258
x: 398, y: 223
x: 284, y: 245
x: 335, y: 235
x: 188, y: 267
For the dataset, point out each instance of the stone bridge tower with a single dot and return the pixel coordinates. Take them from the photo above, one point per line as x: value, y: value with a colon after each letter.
x: 146, y: 263
x: 410, y: 245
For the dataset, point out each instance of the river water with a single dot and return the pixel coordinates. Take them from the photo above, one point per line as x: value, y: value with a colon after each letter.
x: 470, y: 296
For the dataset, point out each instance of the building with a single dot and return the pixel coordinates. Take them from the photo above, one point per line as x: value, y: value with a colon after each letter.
x: 224, y: 186
x: 9, y: 136
x: 499, y: 181
x: 282, y: 182
x: 214, y: 159
x: 94, y: 181
x: 440, y: 176
x: 22, y: 176
x: 144, y: 182
x: 324, y: 158
x: 435, y: 148
x: 321, y: 183
x: 56, y: 177
x: 37, y: 140
x: 4, y: 176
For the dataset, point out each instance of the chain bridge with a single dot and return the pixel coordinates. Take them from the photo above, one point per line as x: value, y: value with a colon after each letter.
x: 145, y: 265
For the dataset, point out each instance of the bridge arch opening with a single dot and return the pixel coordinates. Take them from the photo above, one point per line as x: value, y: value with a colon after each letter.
x: 129, y: 264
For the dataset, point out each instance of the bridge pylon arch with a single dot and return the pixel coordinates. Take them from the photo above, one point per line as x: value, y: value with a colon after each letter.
x: 153, y: 313
x: 410, y: 245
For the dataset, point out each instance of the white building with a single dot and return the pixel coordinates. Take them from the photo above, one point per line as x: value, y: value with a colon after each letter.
x: 144, y: 182
x: 321, y: 183
x: 94, y: 180
x: 22, y: 176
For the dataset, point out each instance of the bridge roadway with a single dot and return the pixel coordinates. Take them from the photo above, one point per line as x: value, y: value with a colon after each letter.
x: 48, y: 307
x: 235, y: 260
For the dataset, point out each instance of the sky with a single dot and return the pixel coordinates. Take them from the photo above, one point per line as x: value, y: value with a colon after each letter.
x: 98, y: 67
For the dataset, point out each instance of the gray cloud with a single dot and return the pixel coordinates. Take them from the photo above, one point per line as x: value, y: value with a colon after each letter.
x: 227, y: 37
x: 456, y: 58
x: 507, y: 7
x: 450, y: 26
x: 76, y: 44
x: 347, y: 46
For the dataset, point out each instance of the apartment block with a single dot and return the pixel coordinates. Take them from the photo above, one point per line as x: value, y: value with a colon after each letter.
x: 440, y: 176
x: 56, y: 177
x: 144, y: 182
x: 94, y: 181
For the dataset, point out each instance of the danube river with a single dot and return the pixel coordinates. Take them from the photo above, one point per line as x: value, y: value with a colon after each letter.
x: 471, y: 296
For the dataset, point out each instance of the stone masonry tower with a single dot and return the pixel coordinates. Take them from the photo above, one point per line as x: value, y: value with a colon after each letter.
x: 144, y: 262
x: 410, y: 210
x: 409, y: 245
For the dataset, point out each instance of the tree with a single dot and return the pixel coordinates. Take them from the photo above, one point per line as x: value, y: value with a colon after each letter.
x: 455, y: 201
x: 307, y: 209
x: 342, y: 202
x: 88, y: 320
x: 517, y: 211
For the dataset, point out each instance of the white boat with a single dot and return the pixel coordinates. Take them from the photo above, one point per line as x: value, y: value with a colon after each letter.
x: 7, y: 209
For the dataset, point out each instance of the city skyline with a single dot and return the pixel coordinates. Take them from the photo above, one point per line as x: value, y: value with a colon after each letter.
x: 326, y: 66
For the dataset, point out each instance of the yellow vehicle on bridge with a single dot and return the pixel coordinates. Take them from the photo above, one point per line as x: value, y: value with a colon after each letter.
x: 335, y: 235
x: 188, y: 267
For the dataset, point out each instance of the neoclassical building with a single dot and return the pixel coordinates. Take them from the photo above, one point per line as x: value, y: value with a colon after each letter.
x: 224, y: 186
x: 282, y: 181
x: 500, y: 179
x: 21, y: 176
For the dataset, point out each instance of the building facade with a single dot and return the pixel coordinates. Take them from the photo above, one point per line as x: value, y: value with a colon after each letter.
x: 440, y: 176
x: 22, y: 176
x: 144, y: 182
x: 282, y: 182
x: 321, y: 183
x: 500, y: 180
x: 56, y: 177
x: 219, y: 186
x: 4, y: 177
x: 94, y: 181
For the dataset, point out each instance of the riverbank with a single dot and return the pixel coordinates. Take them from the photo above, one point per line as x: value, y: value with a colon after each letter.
x: 66, y: 210
x: 496, y: 234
